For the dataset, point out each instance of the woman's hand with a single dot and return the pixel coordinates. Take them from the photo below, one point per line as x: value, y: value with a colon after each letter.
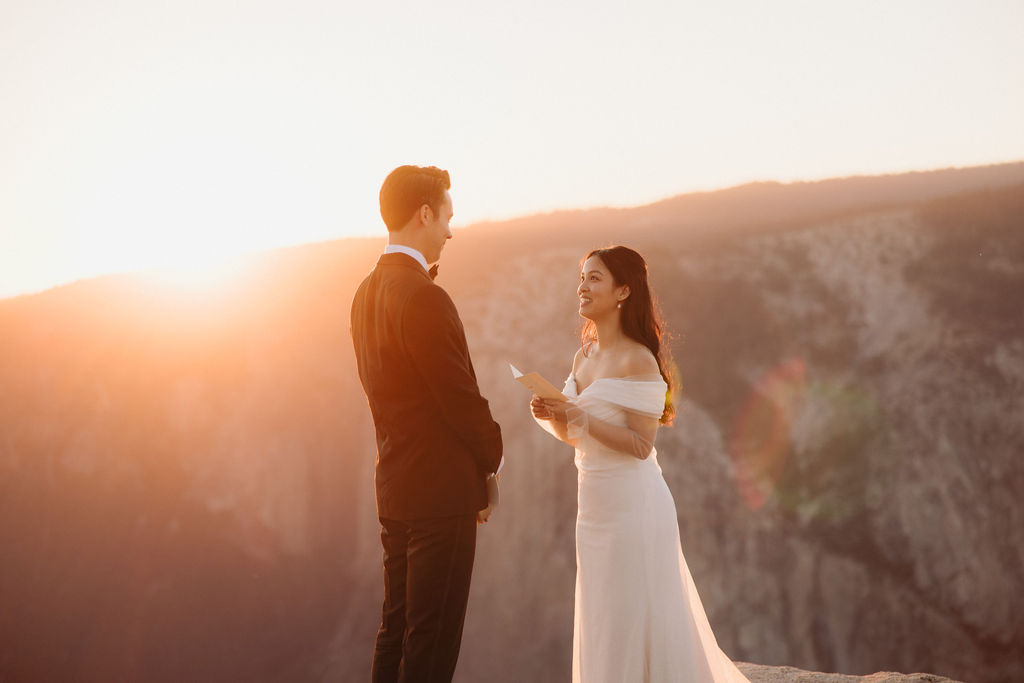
x: 549, y: 409
x: 539, y: 410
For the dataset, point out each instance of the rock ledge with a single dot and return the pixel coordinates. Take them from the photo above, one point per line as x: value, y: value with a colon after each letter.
x: 758, y: 673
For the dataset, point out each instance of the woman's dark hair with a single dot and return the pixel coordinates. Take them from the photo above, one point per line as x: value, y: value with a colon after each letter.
x: 407, y: 188
x: 640, y: 318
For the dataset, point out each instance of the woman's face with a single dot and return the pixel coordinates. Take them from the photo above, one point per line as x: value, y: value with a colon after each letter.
x: 597, y: 291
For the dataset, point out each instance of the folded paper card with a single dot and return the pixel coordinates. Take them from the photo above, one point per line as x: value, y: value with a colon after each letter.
x: 538, y: 385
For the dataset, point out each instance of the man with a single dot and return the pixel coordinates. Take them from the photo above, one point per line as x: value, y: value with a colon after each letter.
x: 437, y: 443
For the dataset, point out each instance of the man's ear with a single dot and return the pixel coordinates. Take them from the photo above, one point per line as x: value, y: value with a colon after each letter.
x: 426, y: 214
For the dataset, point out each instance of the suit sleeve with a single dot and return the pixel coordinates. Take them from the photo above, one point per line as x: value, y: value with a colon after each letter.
x: 435, y: 341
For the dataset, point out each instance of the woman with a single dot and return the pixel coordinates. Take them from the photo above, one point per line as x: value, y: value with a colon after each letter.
x: 638, y: 616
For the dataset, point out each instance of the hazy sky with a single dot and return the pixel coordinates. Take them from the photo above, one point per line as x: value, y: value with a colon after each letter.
x: 141, y: 133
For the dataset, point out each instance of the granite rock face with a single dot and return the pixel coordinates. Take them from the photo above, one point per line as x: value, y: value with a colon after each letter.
x: 188, y: 482
x: 759, y: 673
x: 846, y: 458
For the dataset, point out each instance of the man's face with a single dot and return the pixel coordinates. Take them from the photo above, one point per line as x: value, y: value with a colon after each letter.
x: 437, y: 230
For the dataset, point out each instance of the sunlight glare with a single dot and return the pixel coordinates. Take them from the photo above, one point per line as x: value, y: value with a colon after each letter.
x: 201, y: 275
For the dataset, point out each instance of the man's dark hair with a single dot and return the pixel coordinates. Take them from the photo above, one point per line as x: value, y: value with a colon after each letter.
x: 407, y: 188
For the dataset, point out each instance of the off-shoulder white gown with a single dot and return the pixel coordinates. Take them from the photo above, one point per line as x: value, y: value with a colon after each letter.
x: 638, y: 616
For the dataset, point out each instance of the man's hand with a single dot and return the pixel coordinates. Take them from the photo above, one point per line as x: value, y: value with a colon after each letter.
x: 492, y: 500
x: 483, y: 515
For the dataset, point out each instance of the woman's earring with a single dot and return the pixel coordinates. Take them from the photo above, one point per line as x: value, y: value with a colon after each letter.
x: 618, y: 305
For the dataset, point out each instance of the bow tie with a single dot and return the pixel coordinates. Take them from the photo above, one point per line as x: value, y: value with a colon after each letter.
x: 433, y: 271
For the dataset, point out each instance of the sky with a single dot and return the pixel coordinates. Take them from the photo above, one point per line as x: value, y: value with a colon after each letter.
x: 149, y: 134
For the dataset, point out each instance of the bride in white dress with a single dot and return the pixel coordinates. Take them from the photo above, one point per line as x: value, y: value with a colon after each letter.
x: 638, y: 616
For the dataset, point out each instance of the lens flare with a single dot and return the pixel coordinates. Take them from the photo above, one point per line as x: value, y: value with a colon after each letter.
x: 762, y: 435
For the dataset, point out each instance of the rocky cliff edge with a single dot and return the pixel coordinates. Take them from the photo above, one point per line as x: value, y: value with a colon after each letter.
x: 759, y: 673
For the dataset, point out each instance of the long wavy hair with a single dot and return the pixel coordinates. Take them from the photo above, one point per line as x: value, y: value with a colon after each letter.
x: 640, y: 318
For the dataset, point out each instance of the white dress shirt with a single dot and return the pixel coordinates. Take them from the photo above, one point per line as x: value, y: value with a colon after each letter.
x: 408, y: 251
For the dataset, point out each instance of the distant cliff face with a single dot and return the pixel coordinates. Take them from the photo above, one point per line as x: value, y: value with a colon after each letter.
x: 846, y: 462
x: 190, y: 483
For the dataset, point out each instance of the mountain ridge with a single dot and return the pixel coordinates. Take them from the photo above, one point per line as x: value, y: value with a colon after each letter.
x: 863, y: 190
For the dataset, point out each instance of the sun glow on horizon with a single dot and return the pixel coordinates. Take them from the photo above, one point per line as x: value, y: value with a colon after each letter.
x: 199, y: 276
x: 144, y: 136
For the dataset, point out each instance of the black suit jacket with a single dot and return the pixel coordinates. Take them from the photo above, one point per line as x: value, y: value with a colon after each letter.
x: 436, y: 439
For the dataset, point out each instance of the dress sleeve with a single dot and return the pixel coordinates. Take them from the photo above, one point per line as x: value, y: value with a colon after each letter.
x: 641, y: 396
x: 635, y: 438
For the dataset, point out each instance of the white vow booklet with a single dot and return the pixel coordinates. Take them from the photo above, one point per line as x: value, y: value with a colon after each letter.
x: 538, y: 385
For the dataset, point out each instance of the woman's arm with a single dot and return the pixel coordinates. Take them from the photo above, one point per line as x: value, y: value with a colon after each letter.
x: 636, y: 438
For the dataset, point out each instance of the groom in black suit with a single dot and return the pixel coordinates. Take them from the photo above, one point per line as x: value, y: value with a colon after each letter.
x: 437, y: 443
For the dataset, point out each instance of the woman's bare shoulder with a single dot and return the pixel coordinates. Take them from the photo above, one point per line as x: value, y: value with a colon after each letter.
x: 638, y: 360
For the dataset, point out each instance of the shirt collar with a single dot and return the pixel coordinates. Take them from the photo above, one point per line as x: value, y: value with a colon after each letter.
x: 408, y: 251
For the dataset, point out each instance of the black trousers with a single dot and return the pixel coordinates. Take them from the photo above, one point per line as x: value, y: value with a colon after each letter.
x: 427, y: 569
